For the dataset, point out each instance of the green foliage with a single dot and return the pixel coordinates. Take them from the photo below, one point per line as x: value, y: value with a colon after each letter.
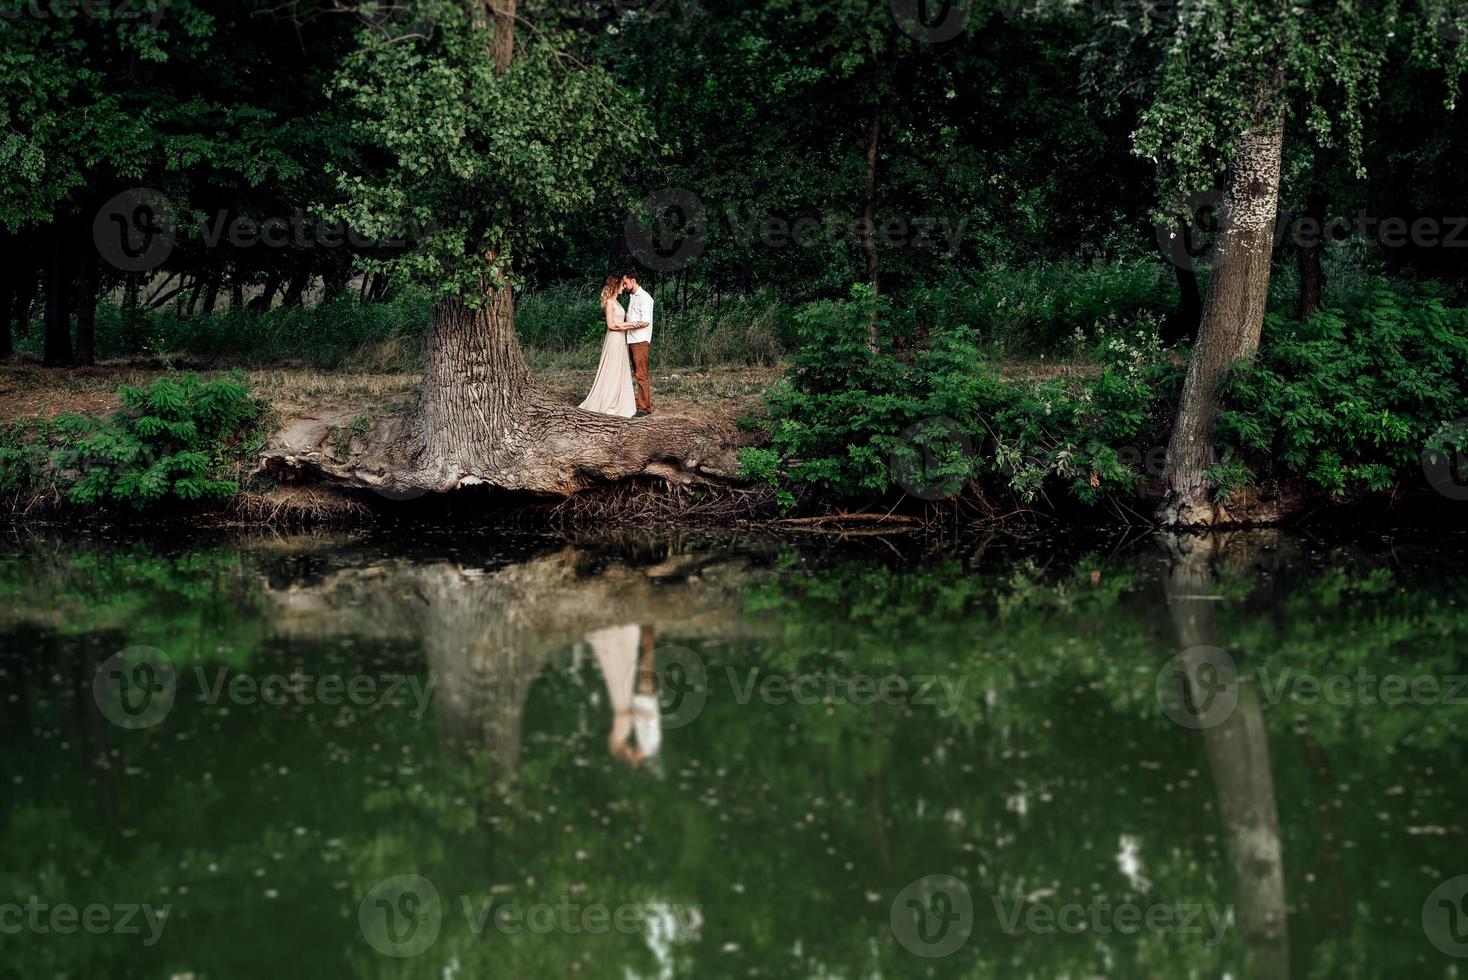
x: 1348, y: 400
x: 854, y: 419
x: 496, y: 163
x: 169, y: 442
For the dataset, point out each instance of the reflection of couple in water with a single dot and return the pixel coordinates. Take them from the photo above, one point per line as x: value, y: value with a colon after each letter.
x: 630, y: 671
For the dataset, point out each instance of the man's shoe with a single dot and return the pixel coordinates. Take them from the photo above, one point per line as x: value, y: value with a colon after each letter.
x: 638, y: 415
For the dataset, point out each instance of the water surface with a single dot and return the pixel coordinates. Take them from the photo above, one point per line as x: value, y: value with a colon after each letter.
x: 467, y: 754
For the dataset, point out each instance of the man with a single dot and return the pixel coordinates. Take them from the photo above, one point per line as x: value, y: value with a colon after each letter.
x: 639, y: 341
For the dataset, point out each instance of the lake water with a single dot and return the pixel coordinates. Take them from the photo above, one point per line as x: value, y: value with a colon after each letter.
x: 469, y: 753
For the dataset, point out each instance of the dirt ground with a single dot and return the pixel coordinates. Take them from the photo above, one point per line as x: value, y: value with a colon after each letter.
x: 27, y: 391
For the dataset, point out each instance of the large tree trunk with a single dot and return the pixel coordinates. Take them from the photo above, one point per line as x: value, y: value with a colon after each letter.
x: 57, y: 351
x: 1233, y: 318
x: 483, y: 418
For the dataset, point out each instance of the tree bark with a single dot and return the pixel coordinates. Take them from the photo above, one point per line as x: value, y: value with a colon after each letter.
x: 57, y: 350
x: 504, y: 33
x: 1233, y: 318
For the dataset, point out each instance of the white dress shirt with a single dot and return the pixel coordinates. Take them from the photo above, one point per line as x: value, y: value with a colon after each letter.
x: 639, y: 309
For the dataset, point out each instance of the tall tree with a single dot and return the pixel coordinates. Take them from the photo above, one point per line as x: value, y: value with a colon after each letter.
x: 496, y: 144
x: 1225, y: 75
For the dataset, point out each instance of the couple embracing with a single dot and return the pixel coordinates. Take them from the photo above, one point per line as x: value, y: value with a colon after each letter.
x: 624, y: 352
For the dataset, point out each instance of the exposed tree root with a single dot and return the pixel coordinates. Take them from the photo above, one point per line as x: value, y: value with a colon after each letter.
x: 541, y: 443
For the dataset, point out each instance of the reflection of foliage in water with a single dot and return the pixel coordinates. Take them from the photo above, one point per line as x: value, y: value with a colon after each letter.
x: 791, y: 826
x: 198, y: 606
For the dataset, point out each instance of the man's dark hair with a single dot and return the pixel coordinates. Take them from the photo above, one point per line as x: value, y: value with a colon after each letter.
x: 632, y: 275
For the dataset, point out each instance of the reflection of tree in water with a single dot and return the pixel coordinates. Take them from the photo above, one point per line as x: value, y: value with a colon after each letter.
x: 1238, y: 755
x: 488, y: 633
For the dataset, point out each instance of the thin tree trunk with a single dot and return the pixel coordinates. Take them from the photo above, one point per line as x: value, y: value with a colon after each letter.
x: 86, y: 304
x: 300, y: 282
x: 869, y: 211
x: 1312, y: 275
x: 504, y: 33
x: 26, y: 288
x: 211, y: 293
x: 261, y: 303
x: 57, y: 351
x: 1183, y: 323
x: 198, y: 291
x: 1233, y: 318
x: 236, y: 292
x: 7, y: 299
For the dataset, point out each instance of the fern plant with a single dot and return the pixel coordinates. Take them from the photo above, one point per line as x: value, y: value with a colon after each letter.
x: 168, y: 442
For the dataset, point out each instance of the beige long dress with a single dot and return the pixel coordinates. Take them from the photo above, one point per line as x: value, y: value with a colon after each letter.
x: 612, y: 392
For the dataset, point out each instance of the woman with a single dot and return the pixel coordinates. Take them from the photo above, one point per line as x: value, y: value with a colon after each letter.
x: 611, y: 392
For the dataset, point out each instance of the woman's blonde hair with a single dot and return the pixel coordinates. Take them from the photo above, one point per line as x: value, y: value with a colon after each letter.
x: 610, y: 288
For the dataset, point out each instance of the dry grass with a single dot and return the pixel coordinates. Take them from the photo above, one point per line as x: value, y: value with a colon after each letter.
x: 27, y: 390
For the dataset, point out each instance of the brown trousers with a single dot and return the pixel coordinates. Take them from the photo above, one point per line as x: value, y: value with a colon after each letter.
x: 639, y: 354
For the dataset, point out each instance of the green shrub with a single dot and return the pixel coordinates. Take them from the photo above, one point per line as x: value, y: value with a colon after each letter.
x: 169, y: 442
x: 851, y: 420
x: 1348, y: 400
